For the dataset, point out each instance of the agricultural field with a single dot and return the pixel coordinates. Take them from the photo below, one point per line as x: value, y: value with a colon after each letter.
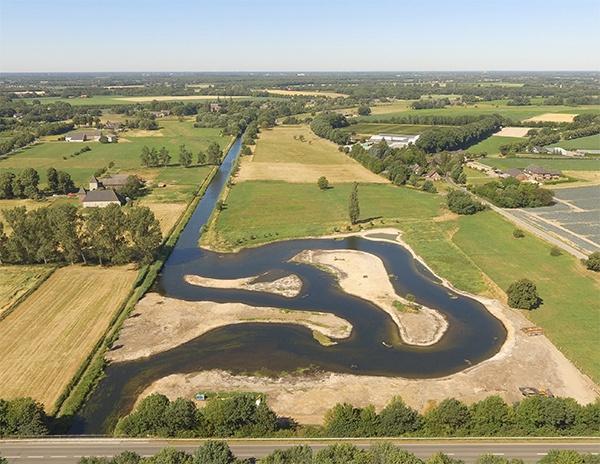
x: 295, y: 154
x: 305, y: 93
x: 375, y: 128
x: 112, y: 100
x: 475, y: 177
x: 15, y: 281
x: 559, y: 164
x: 517, y: 113
x: 492, y: 144
x: 591, y: 142
x: 393, y: 107
x: 48, y: 335
x: 125, y: 154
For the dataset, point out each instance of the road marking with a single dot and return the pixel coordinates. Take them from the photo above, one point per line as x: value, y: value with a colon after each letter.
x: 58, y: 457
x: 542, y: 454
x: 497, y: 454
x: 35, y: 457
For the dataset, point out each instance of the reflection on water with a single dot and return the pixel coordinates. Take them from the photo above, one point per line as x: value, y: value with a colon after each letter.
x: 473, y: 334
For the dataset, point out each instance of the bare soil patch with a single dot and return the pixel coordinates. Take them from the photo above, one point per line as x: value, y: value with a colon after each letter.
x: 513, y: 131
x: 553, y: 117
x: 160, y: 323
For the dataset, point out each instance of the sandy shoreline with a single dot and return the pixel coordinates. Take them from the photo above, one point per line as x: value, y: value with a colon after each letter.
x: 161, y: 323
x: 288, y: 286
x: 364, y: 275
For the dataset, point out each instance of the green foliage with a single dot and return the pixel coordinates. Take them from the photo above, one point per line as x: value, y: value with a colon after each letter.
x: 450, y: 417
x: 364, y: 110
x: 522, y: 294
x: 569, y: 457
x: 518, y: 233
x: 510, y: 193
x: 460, y: 202
x: 214, y: 452
x: 185, y: 156
x: 300, y: 454
x: 134, y: 188
x: 353, y: 206
x: 490, y: 417
x: 398, y: 419
x: 328, y: 125
x: 323, y: 183
x: 494, y: 459
x: 593, y: 262
x: 341, y: 453
x: 214, y: 154
x: 22, y: 417
x: 439, y: 139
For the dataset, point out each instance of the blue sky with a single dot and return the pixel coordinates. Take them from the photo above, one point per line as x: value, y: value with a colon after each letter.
x: 300, y: 35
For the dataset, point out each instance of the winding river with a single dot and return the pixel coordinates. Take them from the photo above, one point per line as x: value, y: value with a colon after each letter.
x: 473, y: 334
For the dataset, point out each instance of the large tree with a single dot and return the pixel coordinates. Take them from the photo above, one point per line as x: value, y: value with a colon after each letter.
x: 523, y: 294
x: 145, y: 234
x: 65, y: 223
x: 214, y: 153
x: 6, y: 185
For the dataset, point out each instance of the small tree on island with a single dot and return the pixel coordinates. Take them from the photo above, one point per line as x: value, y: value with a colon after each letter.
x: 353, y: 206
x: 523, y: 294
x: 323, y: 183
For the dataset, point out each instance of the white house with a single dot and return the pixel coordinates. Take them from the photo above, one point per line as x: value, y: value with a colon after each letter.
x: 394, y: 140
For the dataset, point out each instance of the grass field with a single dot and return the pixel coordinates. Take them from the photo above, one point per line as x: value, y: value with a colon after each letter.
x: 491, y: 145
x: 305, y: 93
x: 125, y: 154
x: 295, y: 154
x: 476, y: 177
x: 17, y: 280
x: 591, y: 142
x: 46, y: 338
x: 570, y: 311
x: 517, y: 113
x: 567, y: 164
x: 375, y: 128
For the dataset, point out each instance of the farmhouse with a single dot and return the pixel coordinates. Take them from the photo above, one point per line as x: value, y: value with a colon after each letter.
x: 89, y: 137
x: 433, y: 175
x: 100, y: 198
x: 393, y: 140
x: 540, y: 174
x: 214, y: 107
x: 160, y: 114
x: 516, y: 173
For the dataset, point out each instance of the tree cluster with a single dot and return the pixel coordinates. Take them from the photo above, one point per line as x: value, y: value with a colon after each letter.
x: 460, y: 202
x: 328, y: 125
x: 593, y: 262
x: 510, y: 193
x: 17, y: 141
x: 454, y: 138
x: 22, y: 417
x: 238, y: 416
x: 63, y: 233
x: 152, y: 158
x: 430, y: 103
x: 523, y: 294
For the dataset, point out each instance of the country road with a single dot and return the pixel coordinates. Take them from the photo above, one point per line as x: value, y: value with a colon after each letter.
x: 69, y: 450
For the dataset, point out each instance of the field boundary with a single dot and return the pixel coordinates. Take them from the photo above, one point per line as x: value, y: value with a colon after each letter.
x: 90, y: 371
x: 30, y: 291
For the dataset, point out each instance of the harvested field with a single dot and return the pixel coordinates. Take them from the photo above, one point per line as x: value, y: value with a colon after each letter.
x: 172, y: 98
x: 47, y: 337
x: 166, y: 213
x: 295, y: 154
x: 513, y: 132
x: 17, y: 280
x: 553, y: 117
x: 305, y: 93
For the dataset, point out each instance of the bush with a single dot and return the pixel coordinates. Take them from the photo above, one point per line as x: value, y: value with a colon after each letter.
x: 323, y: 183
x: 518, y: 233
x: 593, y: 262
x: 22, y: 417
x: 522, y: 294
x: 428, y: 187
x: 555, y: 251
x: 460, y: 202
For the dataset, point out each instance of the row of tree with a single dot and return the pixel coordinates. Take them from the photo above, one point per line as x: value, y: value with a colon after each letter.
x: 328, y: 125
x: 243, y: 416
x: 430, y: 103
x: 152, y: 158
x: 510, y: 193
x: 25, y: 184
x: 21, y: 417
x: 64, y: 233
x: 439, y: 139
x: 218, y: 452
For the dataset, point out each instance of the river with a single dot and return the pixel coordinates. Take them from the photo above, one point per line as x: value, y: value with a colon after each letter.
x: 473, y: 334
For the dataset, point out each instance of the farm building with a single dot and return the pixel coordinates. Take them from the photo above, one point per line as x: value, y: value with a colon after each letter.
x: 115, y: 181
x: 161, y: 113
x: 214, y: 107
x: 89, y: 137
x: 516, y: 173
x: 540, y: 174
x: 394, y: 140
x: 99, y: 198
x: 433, y: 175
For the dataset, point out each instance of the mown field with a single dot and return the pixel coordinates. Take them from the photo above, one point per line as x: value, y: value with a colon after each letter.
x: 591, y: 142
x: 517, y: 113
x: 15, y: 281
x: 47, y: 337
x: 567, y: 164
x: 376, y: 128
x: 296, y: 154
x: 492, y: 144
x: 111, y: 100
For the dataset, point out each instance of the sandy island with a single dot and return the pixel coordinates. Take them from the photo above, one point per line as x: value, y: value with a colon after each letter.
x: 364, y: 275
x: 288, y: 286
x: 161, y: 323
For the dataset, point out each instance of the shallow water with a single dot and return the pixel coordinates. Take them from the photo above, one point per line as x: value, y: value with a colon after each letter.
x: 473, y: 334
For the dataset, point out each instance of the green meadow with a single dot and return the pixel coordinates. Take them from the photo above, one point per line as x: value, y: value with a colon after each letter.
x: 591, y: 142
x: 560, y: 164
x: 125, y: 154
x: 376, y: 128
x: 492, y: 144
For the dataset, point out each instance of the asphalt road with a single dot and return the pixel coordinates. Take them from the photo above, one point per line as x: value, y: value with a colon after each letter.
x: 69, y: 450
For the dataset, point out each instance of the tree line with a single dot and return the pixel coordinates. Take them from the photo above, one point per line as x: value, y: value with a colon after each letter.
x: 152, y: 158
x: 328, y: 124
x: 64, y: 233
x: 218, y: 452
x: 240, y: 416
x: 25, y: 184
x: 438, y: 139
x: 510, y: 193
x: 433, y: 119
x: 430, y: 103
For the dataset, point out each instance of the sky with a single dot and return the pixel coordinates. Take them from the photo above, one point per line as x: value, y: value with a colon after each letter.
x: 299, y: 35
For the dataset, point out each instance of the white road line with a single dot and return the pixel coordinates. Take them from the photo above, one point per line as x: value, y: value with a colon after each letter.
x: 497, y: 454
x: 542, y: 454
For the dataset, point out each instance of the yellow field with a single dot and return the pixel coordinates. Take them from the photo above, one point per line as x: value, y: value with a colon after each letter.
x: 166, y: 213
x: 305, y: 93
x: 553, y: 117
x: 513, y: 132
x: 295, y: 154
x: 47, y: 337
x: 17, y: 280
x: 393, y: 107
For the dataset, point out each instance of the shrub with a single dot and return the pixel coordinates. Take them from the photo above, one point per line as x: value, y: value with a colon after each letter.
x: 428, y: 187
x: 460, y: 202
x: 593, y: 262
x: 518, y: 233
x: 522, y: 294
x: 323, y: 183
x: 555, y: 251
